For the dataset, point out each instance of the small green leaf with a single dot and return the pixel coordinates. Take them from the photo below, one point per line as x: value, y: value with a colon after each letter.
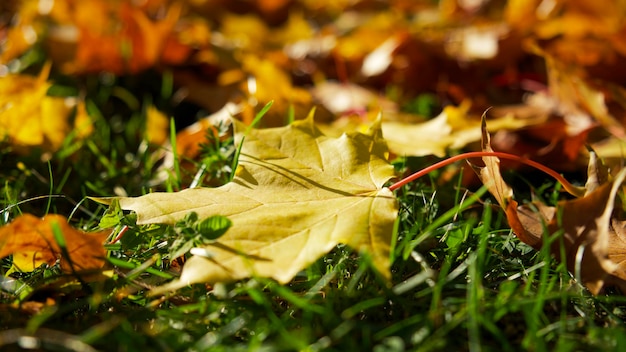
x: 213, y: 227
x: 455, y: 238
x: 112, y: 216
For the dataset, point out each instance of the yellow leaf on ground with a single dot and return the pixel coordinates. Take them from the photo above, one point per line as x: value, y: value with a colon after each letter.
x: 30, y: 118
x: 31, y: 241
x: 452, y: 129
x: 297, y: 194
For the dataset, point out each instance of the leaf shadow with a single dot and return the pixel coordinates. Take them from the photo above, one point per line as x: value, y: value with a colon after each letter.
x: 292, y: 176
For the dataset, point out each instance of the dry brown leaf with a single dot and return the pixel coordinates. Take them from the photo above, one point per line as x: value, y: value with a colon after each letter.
x: 584, y: 224
x: 617, y: 253
x: 31, y: 241
x: 579, y: 102
x: 548, y: 143
x: 490, y: 174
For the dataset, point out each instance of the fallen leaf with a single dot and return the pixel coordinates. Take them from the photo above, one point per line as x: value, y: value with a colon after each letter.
x: 521, y: 14
x: 548, y: 143
x: 189, y: 34
x: 295, y: 196
x: 365, y: 33
x: 297, y: 28
x: 247, y: 32
x: 379, y: 60
x: 617, y: 253
x: 115, y: 36
x: 583, y: 225
x: 490, y: 174
x: 452, y: 129
x: 271, y: 83
x: 586, y: 232
x: 30, y: 118
x: 578, y: 102
x: 558, y: 141
x: 31, y: 241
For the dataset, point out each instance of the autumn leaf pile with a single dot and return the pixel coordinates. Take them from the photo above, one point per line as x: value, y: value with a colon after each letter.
x: 550, y: 75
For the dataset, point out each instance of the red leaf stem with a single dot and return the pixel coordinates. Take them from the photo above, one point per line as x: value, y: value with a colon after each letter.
x: 576, y: 191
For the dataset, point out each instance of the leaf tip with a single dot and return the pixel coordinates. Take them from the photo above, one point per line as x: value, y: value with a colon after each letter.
x: 311, y: 115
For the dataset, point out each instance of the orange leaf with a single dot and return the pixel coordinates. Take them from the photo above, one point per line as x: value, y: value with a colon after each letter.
x: 31, y: 242
x: 190, y: 139
x: 118, y: 38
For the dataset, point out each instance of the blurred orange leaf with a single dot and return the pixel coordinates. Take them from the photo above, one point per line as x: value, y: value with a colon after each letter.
x: 114, y: 36
x: 190, y: 139
x: 31, y: 241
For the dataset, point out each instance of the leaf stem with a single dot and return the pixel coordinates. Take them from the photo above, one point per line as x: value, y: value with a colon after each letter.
x: 573, y: 190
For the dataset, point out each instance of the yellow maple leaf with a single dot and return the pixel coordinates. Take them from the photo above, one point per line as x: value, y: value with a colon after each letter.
x: 32, y: 242
x: 297, y: 194
x: 452, y: 129
x: 30, y: 118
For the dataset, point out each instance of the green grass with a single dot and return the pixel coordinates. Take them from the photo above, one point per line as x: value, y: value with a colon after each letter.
x: 461, y: 280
